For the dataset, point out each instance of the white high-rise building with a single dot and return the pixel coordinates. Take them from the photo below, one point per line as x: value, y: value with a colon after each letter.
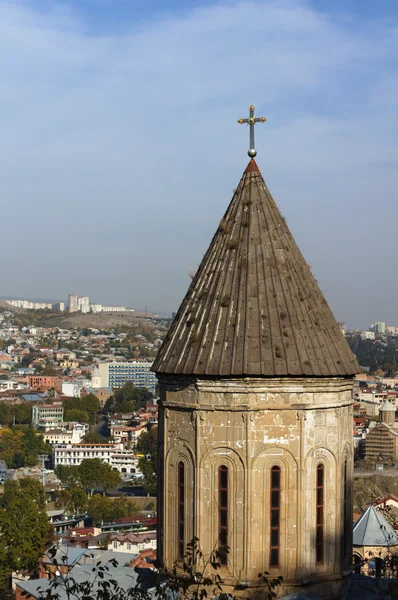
x: 83, y: 303
x: 73, y: 303
x: 116, y: 374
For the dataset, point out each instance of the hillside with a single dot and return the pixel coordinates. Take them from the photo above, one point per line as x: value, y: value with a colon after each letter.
x: 367, y: 489
x: 66, y: 320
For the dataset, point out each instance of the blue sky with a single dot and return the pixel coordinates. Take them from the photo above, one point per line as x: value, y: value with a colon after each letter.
x: 120, y: 149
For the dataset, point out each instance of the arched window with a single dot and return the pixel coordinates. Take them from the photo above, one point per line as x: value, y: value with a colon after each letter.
x: 345, y: 514
x: 181, y: 511
x: 320, y: 500
x: 223, y: 515
x: 275, y: 516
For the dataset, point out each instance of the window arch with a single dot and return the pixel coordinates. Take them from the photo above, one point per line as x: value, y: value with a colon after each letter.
x: 275, y: 509
x: 181, y: 511
x: 223, y: 493
x: 345, y: 512
x: 320, y: 510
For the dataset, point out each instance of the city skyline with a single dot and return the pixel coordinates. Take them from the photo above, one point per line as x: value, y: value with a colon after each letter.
x: 113, y: 134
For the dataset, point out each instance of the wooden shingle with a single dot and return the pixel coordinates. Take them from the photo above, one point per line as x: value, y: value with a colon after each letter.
x: 254, y: 307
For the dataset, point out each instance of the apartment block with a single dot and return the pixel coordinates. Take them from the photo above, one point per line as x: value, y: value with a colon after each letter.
x: 116, y: 374
x: 44, y: 414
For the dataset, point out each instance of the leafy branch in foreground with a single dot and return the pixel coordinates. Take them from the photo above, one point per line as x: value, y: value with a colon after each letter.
x: 197, y: 577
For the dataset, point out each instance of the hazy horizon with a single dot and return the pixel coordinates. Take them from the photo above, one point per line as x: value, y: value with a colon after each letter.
x: 120, y: 148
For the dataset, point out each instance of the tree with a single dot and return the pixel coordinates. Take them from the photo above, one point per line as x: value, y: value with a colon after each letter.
x: 74, y: 414
x: 147, y: 443
x: 10, y: 444
x: 198, y: 578
x: 24, y: 526
x: 100, y: 508
x: 32, y: 445
x: 149, y: 473
x: 68, y: 475
x: 79, y: 500
x: 72, y: 501
x: 109, y: 406
x: 124, y: 507
x: 63, y: 499
x: 93, y: 437
x: 49, y: 370
x: 27, y: 359
x: 95, y: 474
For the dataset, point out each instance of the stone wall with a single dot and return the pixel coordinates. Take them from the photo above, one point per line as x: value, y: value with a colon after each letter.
x: 251, y: 425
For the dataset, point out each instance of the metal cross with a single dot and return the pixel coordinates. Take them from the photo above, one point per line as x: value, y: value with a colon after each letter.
x: 251, y: 121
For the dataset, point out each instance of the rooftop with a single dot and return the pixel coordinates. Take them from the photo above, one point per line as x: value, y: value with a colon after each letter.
x: 254, y: 308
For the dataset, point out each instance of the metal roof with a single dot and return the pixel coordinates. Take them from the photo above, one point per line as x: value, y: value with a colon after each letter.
x: 372, y: 529
x: 254, y: 308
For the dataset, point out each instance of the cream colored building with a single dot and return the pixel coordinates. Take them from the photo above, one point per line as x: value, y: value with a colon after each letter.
x: 255, y: 411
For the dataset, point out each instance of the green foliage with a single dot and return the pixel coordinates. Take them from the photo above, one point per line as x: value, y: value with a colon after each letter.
x: 93, y: 437
x: 199, y: 578
x: 86, y: 408
x: 376, y: 354
x: 32, y: 445
x: 95, y: 474
x: 27, y: 359
x: 91, y: 473
x: 73, y: 501
x: 68, y: 475
x: 74, y: 414
x: 20, y: 446
x: 105, y: 509
x: 128, y: 399
x: 21, y: 412
x: 24, y: 526
x: 147, y: 444
x: 148, y: 441
x: 49, y: 370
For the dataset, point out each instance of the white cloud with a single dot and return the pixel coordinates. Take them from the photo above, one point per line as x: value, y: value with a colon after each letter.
x: 123, y: 149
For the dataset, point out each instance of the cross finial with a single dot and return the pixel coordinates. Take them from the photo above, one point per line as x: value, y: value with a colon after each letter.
x: 251, y: 121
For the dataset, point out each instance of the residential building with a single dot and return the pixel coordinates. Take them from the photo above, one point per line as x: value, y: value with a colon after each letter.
x: 73, y: 454
x: 125, y: 434
x: 83, y: 303
x: 96, y: 308
x: 46, y: 414
x: 116, y: 374
x: 65, y: 354
x: 113, y: 454
x: 27, y: 304
x: 130, y: 541
x: 44, y: 382
x: 65, y: 433
x: 10, y: 384
x: 368, y: 335
x: 59, y: 306
x: 73, y: 305
x: 380, y: 327
x: 68, y: 364
x: 73, y: 387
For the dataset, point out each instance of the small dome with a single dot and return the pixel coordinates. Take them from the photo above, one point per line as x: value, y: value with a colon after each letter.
x: 387, y: 407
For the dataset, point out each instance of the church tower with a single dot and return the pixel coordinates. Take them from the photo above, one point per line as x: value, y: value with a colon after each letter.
x: 255, y: 415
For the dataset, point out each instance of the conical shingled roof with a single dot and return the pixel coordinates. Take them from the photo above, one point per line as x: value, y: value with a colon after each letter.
x: 254, y: 307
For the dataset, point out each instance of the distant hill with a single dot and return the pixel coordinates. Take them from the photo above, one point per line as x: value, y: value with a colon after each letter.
x: 66, y: 320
